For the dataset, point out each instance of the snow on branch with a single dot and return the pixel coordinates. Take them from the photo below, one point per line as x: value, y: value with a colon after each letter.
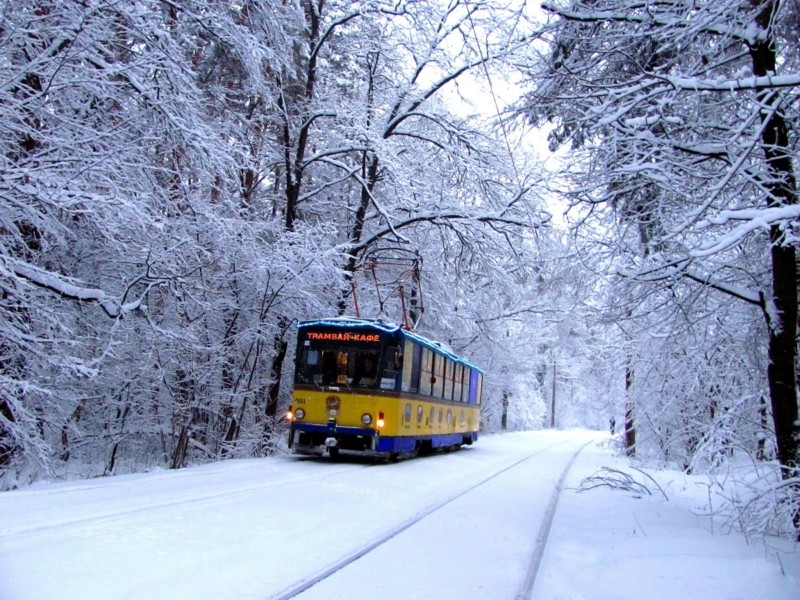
x: 348, y: 173
x: 339, y: 151
x: 732, y: 85
x: 620, y: 480
x: 682, y: 267
x: 387, y: 9
x: 113, y: 307
x: 438, y: 218
x: 754, y: 220
x: 310, y: 120
x: 739, y: 292
x: 629, y: 15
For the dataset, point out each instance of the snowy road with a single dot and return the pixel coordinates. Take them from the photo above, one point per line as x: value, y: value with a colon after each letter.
x: 260, y: 528
x: 500, y: 516
x: 455, y: 526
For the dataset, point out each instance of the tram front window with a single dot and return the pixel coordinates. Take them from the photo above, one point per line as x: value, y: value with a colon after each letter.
x: 338, y: 367
x: 366, y: 369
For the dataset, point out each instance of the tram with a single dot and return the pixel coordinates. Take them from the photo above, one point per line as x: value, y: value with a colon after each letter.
x: 372, y: 387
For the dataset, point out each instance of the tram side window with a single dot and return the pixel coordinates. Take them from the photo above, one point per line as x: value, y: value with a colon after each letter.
x: 448, y: 379
x: 465, y: 382
x: 426, y: 375
x: 392, y: 363
x: 411, y: 364
x: 458, y: 380
x: 438, y: 375
x: 476, y: 387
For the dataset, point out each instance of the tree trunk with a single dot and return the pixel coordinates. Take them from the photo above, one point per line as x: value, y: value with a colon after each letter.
x: 7, y: 446
x: 369, y: 174
x: 630, y: 427
x: 553, y: 398
x: 761, y: 452
x: 181, y: 448
x: 781, y: 313
x: 281, y: 346
x: 781, y: 369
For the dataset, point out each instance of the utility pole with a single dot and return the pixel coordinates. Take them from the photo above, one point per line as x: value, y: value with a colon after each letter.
x: 553, y: 397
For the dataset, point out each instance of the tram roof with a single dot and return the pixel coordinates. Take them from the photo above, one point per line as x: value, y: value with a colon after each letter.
x: 388, y: 327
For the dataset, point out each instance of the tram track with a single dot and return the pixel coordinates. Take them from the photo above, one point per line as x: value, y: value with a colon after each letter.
x: 376, y: 542
x: 464, y: 523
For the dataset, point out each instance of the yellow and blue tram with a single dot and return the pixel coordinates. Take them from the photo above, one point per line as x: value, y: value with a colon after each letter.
x: 374, y: 387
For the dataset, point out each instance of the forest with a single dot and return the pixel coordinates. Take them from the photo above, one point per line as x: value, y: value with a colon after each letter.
x: 598, y: 200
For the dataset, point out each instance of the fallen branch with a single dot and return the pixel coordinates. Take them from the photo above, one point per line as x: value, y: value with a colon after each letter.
x: 619, y: 480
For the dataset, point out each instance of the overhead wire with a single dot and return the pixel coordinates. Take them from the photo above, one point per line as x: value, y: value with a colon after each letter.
x: 484, y: 63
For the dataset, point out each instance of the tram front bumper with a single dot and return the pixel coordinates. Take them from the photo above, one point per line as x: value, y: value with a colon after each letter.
x: 314, y: 439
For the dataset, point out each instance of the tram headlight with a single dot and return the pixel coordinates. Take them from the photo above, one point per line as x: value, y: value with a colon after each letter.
x: 299, y: 413
x: 289, y: 415
x: 366, y: 419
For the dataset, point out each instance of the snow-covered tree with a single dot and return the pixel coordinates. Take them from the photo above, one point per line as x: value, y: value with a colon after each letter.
x: 681, y: 124
x: 680, y: 117
x: 180, y: 181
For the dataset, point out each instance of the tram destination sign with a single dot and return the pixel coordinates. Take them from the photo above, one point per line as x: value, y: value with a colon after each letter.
x: 351, y: 337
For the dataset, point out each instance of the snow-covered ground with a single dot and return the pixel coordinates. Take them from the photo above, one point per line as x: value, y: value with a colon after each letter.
x: 607, y: 544
x: 250, y: 528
